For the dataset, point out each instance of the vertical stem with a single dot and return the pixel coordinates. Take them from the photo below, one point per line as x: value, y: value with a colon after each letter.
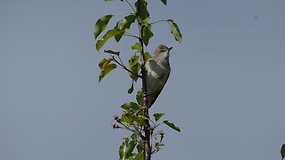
x: 145, y: 104
x: 147, y: 152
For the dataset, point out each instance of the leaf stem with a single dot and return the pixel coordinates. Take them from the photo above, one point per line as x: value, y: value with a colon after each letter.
x: 130, y: 35
x: 126, y: 127
x: 164, y: 20
x: 131, y: 6
x: 123, y: 66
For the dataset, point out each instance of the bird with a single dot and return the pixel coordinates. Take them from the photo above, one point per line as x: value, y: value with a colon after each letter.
x: 157, y: 72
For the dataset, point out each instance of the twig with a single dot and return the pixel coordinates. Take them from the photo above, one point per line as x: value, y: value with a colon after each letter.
x: 164, y: 20
x: 126, y: 127
x: 130, y: 35
x: 123, y: 66
x: 131, y: 6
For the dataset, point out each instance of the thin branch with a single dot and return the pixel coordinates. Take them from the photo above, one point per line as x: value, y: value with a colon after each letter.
x: 130, y: 35
x: 122, y: 14
x: 126, y: 127
x: 131, y: 6
x: 148, y: 146
x: 121, y: 60
x: 153, y: 123
x: 141, y: 42
x: 156, y: 125
x: 164, y: 20
x: 123, y: 66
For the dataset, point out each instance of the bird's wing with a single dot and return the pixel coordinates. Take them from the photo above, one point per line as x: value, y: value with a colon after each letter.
x: 153, y: 99
x: 156, y: 67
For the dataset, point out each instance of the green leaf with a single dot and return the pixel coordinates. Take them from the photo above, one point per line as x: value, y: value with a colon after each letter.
x: 175, y: 30
x: 126, y: 149
x: 130, y: 118
x: 140, y: 148
x: 139, y: 96
x: 135, y: 136
x: 133, y: 60
x: 144, y: 12
x: 106, y: 70
x: 157, y: 116
x: 140, y: 119
x: 283, y: 151
x: 147, y: 55
x: 164, y: 2
x: 126, y: 23
x: 171, y: 125
x: 131, y: 105
x: 104, y: 62
x: 100, y: 43
x: 112, y: 52
x: 127, y: 118
x: 147, y: 33
x: 123, y: 151
x: 158, y: 144
x: 119, y: 36
x: 135, y: 67
x: 101, y: 24
x: 137, y: 47
x: 131, y: 147
x: 131, y: 89
x: 138, y: 156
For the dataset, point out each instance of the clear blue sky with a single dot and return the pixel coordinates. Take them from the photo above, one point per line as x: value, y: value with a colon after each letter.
x: 226, y: 90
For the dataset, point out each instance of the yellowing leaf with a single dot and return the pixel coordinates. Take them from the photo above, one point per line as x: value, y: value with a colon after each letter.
x: 104, y: 62
x: 147, y: 55
x: 106, y: 70
x: 137, y: 47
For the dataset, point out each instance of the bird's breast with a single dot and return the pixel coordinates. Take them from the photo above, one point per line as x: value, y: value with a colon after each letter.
x: 157, y: 74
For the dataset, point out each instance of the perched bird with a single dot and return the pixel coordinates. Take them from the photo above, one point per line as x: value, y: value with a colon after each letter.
x: 157, y: 72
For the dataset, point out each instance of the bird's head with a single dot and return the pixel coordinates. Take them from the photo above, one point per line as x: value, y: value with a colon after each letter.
x: 162, y: 51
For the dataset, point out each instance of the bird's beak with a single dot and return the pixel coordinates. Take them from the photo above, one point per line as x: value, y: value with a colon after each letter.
x: 170, y: 48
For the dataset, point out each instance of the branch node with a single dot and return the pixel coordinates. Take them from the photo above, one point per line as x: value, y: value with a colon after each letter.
x: 123, y: 66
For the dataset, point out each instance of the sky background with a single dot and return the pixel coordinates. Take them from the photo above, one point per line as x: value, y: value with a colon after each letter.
x: 226, y: 91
